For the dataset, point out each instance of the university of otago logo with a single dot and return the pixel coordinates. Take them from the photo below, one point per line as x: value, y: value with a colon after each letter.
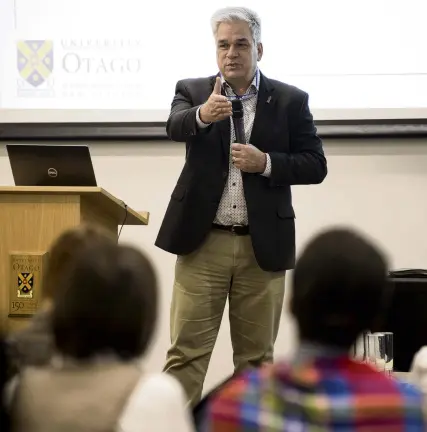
x: 35, y: 61
x: 25, y: 285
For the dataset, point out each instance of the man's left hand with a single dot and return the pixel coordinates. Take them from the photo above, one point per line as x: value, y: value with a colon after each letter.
x: 248, y: 158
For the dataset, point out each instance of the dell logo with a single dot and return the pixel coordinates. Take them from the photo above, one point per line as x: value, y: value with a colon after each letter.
x: 51, y: 172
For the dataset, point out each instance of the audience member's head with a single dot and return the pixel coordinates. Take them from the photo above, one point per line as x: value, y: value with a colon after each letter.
x: 108, y: 306
x: 339, y: 286
x: 63, y: 251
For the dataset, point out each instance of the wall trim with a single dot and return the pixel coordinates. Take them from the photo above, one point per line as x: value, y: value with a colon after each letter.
x: 156, y: 131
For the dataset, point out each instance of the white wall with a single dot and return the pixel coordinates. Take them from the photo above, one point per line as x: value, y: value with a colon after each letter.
x: 378, y: 186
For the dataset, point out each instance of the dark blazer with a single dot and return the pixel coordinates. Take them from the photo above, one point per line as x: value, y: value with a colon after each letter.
x: 284, y: 129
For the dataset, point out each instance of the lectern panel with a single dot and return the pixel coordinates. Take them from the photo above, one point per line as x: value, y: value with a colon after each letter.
x: 30, y: 223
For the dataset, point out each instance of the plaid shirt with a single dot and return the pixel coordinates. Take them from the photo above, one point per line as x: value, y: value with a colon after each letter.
x: 329, y: 394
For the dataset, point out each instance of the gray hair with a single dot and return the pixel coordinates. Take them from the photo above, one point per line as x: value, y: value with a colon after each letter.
x: 229, y: 14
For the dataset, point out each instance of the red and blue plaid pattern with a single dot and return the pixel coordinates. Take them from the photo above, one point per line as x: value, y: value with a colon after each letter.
x: 335, y: 394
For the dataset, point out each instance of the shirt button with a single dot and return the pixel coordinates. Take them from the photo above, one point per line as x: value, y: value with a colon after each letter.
x: 234, y: 184
x: 234, y: 206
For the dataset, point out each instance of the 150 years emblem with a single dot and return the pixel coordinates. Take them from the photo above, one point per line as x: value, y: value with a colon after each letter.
x: 25, y: 276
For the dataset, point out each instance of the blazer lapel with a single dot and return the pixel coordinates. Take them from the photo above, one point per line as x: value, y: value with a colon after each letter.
x: 264, y: 112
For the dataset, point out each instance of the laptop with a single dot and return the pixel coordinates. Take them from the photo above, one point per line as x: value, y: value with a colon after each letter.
x: 51, y: 165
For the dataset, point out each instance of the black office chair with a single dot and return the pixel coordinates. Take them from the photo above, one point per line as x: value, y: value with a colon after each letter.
x: 405, y: 315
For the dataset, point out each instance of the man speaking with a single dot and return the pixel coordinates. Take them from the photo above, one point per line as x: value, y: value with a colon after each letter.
x: 230, y: 219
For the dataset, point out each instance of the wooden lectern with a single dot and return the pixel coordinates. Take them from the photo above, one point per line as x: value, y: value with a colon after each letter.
x: 31, y: 218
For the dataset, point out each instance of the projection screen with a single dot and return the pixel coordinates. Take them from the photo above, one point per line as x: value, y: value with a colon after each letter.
x: 109, y: 61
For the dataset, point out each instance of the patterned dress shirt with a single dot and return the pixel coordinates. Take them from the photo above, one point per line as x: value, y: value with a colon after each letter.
x: 232, y: 207
x: 322, y: 395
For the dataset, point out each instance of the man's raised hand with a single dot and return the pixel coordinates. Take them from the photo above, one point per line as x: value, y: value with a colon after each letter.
x: 217, y: 107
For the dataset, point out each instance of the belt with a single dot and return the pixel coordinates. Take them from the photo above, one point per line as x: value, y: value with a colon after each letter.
x: 239, y: 230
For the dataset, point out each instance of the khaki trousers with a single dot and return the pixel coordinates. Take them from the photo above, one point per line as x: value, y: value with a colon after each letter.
x: 223, y: 267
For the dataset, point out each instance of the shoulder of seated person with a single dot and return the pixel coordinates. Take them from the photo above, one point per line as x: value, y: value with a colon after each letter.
x: 420, y: 359
x: 239, y: 384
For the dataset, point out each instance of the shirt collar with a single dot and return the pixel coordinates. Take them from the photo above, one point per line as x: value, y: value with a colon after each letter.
x: 309, y: 351
x: 254, y: 83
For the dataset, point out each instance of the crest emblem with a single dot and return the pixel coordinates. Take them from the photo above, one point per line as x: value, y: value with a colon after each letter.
x: 35, y: 60
x: 25, y: 285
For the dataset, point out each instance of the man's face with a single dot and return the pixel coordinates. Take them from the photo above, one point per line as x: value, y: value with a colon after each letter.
x: 237, y: 54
